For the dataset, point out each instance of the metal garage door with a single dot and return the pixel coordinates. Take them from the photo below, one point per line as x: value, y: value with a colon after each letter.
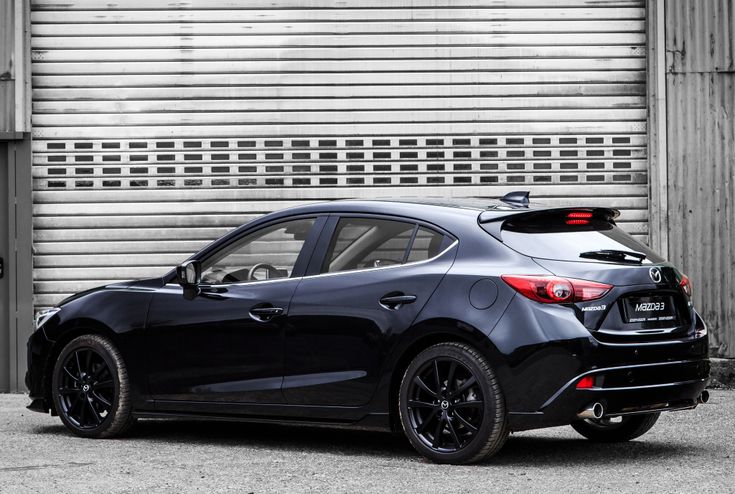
x: 160, y: 125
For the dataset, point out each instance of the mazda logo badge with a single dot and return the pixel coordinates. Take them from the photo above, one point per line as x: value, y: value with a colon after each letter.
x: 655, y: 275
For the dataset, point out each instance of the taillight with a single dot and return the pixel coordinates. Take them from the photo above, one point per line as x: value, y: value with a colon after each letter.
x: 685, y: 285
x: 578, y: 218
x: 554, y: 289
x: 589, y: 290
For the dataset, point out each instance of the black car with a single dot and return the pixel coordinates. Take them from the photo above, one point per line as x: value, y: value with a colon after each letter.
x: 455, y: 322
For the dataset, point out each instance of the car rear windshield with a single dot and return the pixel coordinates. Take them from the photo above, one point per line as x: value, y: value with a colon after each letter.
x: 556, y: 235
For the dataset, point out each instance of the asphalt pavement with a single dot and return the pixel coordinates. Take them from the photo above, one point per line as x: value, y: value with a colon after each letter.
x: 690, y: 451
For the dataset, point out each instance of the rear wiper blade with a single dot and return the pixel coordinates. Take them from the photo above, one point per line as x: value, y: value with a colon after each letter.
x: 615, y: 255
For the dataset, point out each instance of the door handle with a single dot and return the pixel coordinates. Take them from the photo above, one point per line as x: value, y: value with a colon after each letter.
x: 264, y: 314
x: 2, y: 268
x: 396, y: 300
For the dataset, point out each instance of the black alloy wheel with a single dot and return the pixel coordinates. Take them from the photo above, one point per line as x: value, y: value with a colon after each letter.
x: 451, y: 407
x: 86, y: 388
x: 90, y: 388
x: 445, y: 404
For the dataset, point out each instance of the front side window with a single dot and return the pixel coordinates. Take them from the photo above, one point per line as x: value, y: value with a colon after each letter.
x: 269, y: 253
x: 364, y: 243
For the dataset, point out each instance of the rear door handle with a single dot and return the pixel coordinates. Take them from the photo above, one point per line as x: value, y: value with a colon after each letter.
x: 264, y: 314
x: 396, y: 300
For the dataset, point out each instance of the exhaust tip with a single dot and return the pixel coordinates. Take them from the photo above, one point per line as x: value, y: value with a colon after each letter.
x: 592, y: 411
x: 704, y: 397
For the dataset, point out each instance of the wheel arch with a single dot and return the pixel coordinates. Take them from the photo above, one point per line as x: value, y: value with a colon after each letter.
x: 426, y: 334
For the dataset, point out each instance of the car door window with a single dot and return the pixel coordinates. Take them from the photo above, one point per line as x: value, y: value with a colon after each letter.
x: 360, y: 243
x: 269, y: 253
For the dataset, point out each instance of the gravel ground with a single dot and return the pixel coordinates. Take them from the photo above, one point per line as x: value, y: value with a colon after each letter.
x: 685, y: 451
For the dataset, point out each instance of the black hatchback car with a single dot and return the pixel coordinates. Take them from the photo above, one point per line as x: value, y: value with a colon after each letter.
x: 454, y: 322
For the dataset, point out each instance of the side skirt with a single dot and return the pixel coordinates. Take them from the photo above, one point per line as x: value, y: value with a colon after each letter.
x: 372, y: 421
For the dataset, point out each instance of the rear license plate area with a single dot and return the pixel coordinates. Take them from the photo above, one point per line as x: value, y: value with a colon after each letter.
x: 654, y: 310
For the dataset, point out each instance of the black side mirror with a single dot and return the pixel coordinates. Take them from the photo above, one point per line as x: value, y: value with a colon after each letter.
x: 189, y: 275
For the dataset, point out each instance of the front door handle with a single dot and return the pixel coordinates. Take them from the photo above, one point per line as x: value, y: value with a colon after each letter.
x: 396, y: 300
x: 265, y: 313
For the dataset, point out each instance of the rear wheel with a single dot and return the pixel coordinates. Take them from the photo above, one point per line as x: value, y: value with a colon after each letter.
x: 451, y: 406
x: 616, y: 429
x: 90, y: 388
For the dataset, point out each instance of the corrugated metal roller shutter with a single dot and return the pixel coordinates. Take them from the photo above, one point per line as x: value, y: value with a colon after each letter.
x: 160, y: 125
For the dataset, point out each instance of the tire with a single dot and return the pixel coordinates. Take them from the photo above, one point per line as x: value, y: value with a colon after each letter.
x: 451, y: 407
x: 91, y: 388
x: 629, y: 427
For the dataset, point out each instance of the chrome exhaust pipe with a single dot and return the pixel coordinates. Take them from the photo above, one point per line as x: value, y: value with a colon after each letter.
x: 592, y: 411
x: 703, y: 398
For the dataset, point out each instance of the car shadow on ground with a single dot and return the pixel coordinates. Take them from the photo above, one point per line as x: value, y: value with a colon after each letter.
x: 519, y: 450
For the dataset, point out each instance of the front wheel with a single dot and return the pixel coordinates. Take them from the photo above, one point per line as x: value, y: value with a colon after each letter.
x: 90, y: 388
x: 451, y: 406
x: 616, y: 429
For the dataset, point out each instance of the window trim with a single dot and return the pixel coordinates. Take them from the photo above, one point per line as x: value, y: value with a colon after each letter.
x: 452, y: 244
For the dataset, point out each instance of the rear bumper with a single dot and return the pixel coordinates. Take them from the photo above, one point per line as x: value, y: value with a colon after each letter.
x: 623, y: 390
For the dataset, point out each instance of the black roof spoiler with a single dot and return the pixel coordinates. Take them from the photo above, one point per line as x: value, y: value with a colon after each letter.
x: 493, y: 222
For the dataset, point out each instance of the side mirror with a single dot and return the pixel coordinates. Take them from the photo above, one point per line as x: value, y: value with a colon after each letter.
x: 189, y: 275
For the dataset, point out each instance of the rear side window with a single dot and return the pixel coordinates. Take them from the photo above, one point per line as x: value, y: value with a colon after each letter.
x: 426, y: 245
x: 364, y: 243
x: 568, y: 236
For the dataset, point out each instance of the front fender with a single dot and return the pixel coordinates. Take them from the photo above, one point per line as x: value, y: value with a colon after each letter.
x: 117, y: 313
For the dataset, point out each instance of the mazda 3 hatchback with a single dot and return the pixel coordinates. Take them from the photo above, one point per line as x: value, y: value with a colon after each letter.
x: 453, y: 322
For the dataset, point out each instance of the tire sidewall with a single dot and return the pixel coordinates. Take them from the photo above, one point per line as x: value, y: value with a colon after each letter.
x: 471, y: 450
x: 95, y: 343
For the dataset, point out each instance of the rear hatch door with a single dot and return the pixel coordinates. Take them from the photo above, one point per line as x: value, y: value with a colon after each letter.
x: 647, y: 300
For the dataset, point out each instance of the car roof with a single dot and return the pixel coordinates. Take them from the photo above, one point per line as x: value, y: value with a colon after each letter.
x: 440, y: 211
x: 406, y: 206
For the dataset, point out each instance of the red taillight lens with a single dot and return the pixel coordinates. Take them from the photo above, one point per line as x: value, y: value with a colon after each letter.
x: 585, y: 215
x: 589, y: 290
x: 685, y: 285
x: 578, y: 218
x: 554, y: 289
x: 586, y: 382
